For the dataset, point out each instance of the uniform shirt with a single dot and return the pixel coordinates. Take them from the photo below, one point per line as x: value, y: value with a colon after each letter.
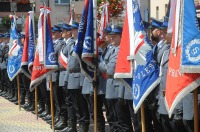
x: 58, y: 44
x: 74, y: 76
x: 63, y: 71
x: 159, y: 50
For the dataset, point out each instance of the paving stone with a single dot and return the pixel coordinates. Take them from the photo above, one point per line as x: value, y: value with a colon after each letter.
x: 13, y: 120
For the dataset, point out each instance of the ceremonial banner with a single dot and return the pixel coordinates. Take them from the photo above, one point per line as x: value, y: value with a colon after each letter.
x: 42, y: 69
x: 171, y: 15
x: 178, y: 84
x: 190, y: 55
x: 105, y: 18
x: 72, y: 15
x: 124, y: 66
x: 146, y: 71
x: 29, y: 44
x: 85, y: 46
x: 15, y: 51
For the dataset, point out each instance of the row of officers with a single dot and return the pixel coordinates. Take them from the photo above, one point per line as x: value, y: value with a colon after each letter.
x: 73, y: 93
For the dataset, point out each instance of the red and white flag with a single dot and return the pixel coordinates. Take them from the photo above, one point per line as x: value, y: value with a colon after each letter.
x: 124, y: 66
x: 105, y: 19
x: 178, y: 84
x: 29, y: 45
x: 72, y: 15
x: 41, y: 69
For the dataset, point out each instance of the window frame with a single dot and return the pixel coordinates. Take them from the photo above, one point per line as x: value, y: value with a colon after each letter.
x: 59, y: 3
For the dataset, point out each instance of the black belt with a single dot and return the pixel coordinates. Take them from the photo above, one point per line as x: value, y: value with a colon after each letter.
x: 110, y: 76
x: 163, y: 93
x: 62, y: 69
x: 74, y: 70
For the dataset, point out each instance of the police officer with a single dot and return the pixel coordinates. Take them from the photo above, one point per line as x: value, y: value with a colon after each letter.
x: 58, y: 43
x: 62, y: 123
x: 74, y: 86
x: 69, y: 38
x: 115, y: 91
x: 1, y: 54
x: 4, y: 64
x: 157, y: 38
x: 22, y: 76
x: 87, y: 91
x: 166, y: 122
x: 102, y: 73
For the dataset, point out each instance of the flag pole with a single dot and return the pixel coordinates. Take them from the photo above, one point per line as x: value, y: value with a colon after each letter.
x: 143, y: 118
x: 36, y: 102
x: 142, y: 106
x: 51, y: 99
x: 196, y: 119
x: 36, y: 89
x: 51, y: 90
x: 95, y: 72
x: 18, y: 86
x: 51, y: 93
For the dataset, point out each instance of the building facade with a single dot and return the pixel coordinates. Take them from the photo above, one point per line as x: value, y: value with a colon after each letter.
x: 60, y: 11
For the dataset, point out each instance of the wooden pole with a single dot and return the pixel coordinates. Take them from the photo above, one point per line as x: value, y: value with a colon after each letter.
x: 36, y: 102
x: 95, y: 104
x: 18, y: 86
x: 196, y: 119
x: 51, y: 99
x: 95, y: 57
x: 143, y: 118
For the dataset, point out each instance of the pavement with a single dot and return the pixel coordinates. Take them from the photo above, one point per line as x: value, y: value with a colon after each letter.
x: 14, y: 120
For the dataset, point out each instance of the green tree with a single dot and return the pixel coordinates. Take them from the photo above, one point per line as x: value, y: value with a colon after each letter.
x: 6, y: 22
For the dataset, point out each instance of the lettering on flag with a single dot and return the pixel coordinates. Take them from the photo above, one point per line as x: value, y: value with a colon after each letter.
x: 179, y: 84
x: 146, y: 71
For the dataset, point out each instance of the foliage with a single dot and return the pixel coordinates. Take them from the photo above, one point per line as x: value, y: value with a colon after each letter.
x: 6, y: 22
x: 36, y: 23
x: 24, y: 1
x: 21, y: 1
x: 115, y: 7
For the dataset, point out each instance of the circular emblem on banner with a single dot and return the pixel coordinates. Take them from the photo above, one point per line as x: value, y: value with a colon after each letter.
x: 87, y: 43
x: 52, y: 57
x: 11, y: 69
x: 193, y: 50
x: 136, y: 91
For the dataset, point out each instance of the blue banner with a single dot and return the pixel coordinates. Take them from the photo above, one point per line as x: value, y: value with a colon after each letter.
x: 84, y: 49
x: 31, y: 46
x: 28, y: 46
x: 15, y: 52
x: 51, y: 60
x: 190, y: 57
x: 146, y: 72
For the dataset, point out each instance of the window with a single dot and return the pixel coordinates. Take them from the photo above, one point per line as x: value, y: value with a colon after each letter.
x: 157, y: 12
x: 4, y: 0
x: 62, y: 2
x: 166, y: 8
